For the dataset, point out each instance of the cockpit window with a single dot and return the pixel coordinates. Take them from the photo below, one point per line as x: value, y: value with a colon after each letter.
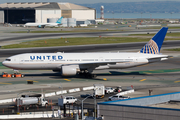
x: 8, y: 59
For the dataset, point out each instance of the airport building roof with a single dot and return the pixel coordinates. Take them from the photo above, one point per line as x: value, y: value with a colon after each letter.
x: 42, y: 5
x: 145, y: 101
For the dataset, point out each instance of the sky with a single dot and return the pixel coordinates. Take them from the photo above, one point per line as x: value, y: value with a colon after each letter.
x: 81, y: 1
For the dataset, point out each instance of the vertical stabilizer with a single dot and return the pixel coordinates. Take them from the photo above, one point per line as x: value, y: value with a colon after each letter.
x: 154, y: 45
x: 59, y: 20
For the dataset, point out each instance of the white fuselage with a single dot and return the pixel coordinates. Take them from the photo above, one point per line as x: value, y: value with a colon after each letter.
x: 43, y: 24
x: 54, y: 61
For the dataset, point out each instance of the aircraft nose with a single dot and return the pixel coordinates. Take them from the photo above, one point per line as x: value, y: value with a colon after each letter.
x: 4, y: 63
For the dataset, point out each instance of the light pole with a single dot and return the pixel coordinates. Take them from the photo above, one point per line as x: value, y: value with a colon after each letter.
x: 82, y: 112
x: 94, y: 107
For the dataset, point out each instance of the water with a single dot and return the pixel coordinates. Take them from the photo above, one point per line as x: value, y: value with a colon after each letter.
x: 143, y: 15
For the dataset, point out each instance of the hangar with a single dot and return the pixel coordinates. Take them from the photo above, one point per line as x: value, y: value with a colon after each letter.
x: 39, y: 12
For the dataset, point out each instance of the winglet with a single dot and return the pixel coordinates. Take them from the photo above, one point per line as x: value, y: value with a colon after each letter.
x: 154, y: 45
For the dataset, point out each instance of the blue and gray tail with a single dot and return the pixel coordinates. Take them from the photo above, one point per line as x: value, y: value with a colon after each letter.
x: 59, y: 20
x: 154, y: 45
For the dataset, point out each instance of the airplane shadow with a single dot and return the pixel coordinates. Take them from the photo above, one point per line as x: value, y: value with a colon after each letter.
x: 116, y: 73
x: 42, y: 74
x: 58, y: 75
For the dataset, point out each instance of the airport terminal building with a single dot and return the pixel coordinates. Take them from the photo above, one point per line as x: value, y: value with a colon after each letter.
x: 21, y: 13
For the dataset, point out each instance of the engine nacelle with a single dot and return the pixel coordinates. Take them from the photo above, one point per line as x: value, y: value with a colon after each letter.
x: 70, y: 70
x: 39, y: 26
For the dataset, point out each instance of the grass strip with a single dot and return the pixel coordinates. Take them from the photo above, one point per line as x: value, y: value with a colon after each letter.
x: 78, y: 41
x: 172, y: 27
x: 168, y: 34
x: 174, y: 49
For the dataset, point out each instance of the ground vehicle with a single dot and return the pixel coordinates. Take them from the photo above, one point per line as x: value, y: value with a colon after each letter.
x: 66, y: 100
x: 109, y: 90
x: 118, y: 97
x: 5, y: 74
x: 99, y: 90
x: 27, y: 101
x: 118, y: 89
x: 17, y: 75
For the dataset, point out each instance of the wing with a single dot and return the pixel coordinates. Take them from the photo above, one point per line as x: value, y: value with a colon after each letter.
x: 98, y: 63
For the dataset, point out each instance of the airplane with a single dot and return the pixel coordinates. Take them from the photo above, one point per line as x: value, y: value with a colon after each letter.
x: 71, y: 64
x: 42, y: 25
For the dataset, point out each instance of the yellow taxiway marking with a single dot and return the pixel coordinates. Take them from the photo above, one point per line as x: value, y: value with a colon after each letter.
x: 142, y: 80
x: 32, y: 80
x: 6, y: 83
x: 67, y: 79
x: 104, y: 79
x: 176, y: 81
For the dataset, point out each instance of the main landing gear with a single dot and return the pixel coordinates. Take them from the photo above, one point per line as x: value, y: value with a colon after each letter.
x: 87, y: 75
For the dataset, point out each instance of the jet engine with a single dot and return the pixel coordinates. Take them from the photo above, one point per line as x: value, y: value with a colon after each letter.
x: 70, y: 70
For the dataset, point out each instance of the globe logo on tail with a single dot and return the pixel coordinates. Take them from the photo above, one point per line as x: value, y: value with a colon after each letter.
x: 150, y: 48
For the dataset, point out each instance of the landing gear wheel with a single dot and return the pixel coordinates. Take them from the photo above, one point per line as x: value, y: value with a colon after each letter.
x: 93, y: 76
x: 86, y: 74
x: 22, y: 75
x: 12, y: 76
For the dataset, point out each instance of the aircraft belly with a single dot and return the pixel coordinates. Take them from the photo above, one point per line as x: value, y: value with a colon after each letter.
x: 34, y: 66
x: 126, y: 65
